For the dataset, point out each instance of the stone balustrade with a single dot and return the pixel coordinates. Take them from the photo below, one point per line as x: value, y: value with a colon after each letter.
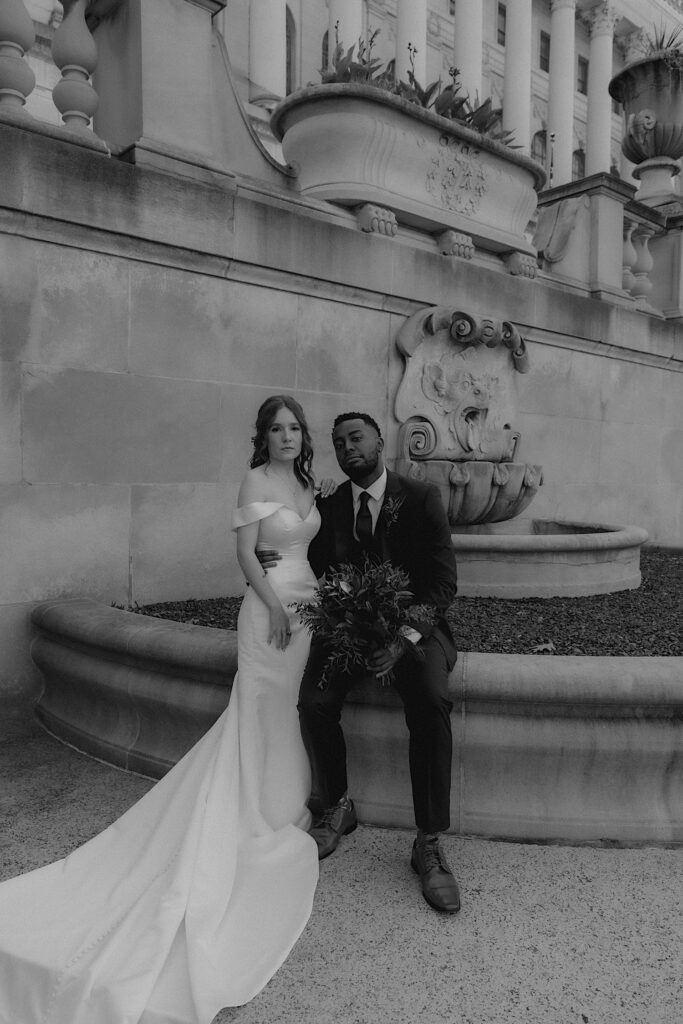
x: 640, y: 234
x: 581, y: 227
x: 75, y: 54
x: 17, y: 34
x: 591, y: 234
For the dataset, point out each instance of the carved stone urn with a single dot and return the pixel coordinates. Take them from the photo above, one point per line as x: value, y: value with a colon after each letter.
x: 456, y: 405
x: 354, y: 144
x: 651, y: 92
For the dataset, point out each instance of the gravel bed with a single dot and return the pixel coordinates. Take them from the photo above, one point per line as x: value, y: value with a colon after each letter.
x: 643, y: 622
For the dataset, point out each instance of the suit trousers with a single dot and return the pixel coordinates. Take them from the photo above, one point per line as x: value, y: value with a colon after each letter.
x: 422, y: 684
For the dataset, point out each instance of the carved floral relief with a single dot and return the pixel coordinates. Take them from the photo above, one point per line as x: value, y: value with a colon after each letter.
x: 457, y: 404
x: 455, y: 177
x: 458, y: 382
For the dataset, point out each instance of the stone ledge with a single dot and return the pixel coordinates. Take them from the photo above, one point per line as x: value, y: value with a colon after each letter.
x: 571, y: 749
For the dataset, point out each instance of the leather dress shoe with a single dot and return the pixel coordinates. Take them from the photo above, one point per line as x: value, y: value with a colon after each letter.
x: 334, y: 823
x: 439, y: 887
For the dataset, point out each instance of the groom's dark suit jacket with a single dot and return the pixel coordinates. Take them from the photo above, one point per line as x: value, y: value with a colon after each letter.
x: 412, y: 532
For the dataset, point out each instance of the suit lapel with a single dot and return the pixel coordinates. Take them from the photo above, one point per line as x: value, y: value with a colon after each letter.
x: 392, y: 494
x: 344, y: 541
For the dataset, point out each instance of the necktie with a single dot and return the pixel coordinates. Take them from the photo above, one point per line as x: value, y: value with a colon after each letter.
x: 364, y: 521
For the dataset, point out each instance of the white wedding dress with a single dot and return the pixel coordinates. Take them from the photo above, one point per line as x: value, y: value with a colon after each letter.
x: 193, y: 898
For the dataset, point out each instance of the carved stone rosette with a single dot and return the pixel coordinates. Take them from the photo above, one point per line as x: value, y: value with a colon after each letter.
x: 456, y: 405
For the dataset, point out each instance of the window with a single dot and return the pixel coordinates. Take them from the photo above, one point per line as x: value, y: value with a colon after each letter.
x: 582, y: 75
x: 544, y: 52
x: 502, y: 15
x: 539, y: 147
x: 289, y: 44
x: 325, y: 57
x: 578, y: 164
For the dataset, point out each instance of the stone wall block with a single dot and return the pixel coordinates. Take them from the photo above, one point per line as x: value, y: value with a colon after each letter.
x: 63, y: 540
x: 274, y: 236
x: 42, y: 176
x: 342, y: 348
x: 10, y: 425
x: 62, y: 305
x: 109, y: 427
x: 211, y: 329
x: 186, y: 530
x: 82, y: 320
x: 620, y: 467
x: 568, y: 449
x: 630, y: 393
x: 561, y: 383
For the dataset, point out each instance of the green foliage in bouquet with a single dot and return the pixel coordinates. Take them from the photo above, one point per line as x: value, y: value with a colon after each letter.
x: 356, y: 611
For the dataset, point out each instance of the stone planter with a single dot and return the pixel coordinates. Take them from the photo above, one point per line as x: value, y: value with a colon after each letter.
x: 545, y: 748
x: 355, y: 145
x: 651, y: 92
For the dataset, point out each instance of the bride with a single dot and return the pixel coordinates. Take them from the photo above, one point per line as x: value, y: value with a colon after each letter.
x: 192, y: 900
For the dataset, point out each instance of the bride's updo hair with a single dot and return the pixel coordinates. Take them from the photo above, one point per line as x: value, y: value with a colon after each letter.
x: 264, y: 420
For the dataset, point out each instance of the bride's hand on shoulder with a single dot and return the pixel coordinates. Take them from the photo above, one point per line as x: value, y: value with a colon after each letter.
x: 327, y: 487
x: 280, y: 630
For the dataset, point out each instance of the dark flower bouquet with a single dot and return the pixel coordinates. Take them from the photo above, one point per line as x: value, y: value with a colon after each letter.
x: 356, y: 611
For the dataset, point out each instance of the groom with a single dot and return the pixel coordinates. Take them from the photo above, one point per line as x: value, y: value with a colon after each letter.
x: 403, y: 521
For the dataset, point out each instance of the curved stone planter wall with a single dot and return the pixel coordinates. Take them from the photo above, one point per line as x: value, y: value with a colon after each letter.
x: 545, y: 748
x: 554, y: 558
x: 135, y: 692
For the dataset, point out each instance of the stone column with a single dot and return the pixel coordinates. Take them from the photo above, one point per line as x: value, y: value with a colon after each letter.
x: 411, y: 30
x: 599, y: 129
x: 267, y: 50
x: 468, y: 44
x: 562, y: 85
x: 517, y: 84
x: 154, y: 81
x: 349, y: 16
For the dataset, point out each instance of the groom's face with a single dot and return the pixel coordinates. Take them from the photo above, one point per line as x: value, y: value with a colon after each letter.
x: 358, y: 448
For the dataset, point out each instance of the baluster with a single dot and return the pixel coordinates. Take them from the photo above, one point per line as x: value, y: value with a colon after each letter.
x: 642, y: 285
x: 16, y: 37
x: 75, y: 54
x: 629, y: 256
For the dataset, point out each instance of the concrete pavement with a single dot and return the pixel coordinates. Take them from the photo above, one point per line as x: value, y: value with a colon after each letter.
x: 552, y: 934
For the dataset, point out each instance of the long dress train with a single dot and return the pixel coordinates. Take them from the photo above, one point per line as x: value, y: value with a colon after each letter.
x: 194, y: 897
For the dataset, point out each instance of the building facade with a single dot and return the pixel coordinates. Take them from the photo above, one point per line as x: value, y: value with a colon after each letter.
x: 546, y: 63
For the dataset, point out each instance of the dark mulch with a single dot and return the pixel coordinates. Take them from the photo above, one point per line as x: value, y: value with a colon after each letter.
x: 643, y: 622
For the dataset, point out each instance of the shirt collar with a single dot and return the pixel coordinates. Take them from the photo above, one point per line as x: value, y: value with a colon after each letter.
x: 375, y: 490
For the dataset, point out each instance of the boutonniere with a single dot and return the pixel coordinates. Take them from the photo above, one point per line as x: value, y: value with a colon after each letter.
x: 391, y: 508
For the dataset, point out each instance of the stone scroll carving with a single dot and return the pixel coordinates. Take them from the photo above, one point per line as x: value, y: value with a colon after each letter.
x: 456, y: 404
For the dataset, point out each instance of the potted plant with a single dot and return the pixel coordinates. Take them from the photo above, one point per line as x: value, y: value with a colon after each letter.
x: 438, y: 162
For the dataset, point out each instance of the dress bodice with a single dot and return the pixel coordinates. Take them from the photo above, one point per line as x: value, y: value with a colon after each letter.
x: 284, y: 530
